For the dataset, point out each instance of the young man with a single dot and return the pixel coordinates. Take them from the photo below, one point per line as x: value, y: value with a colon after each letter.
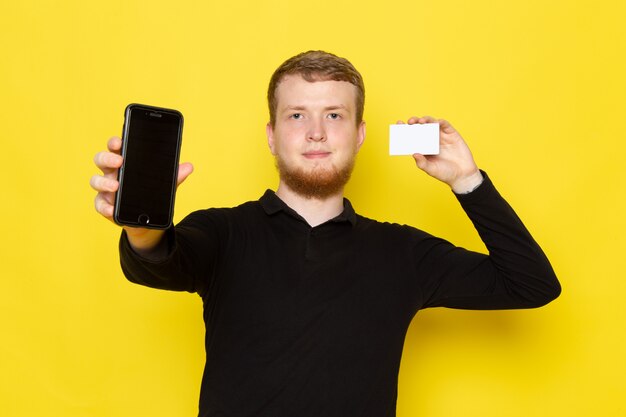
x: 307, y: 303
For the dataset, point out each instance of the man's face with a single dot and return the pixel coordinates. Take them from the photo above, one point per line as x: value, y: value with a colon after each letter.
x: 315, y: 138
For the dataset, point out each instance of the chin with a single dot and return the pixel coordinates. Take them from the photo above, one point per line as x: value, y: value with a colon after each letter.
x: 320, y: 181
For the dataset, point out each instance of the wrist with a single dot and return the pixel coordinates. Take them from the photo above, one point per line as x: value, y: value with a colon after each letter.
x: 145, y: 242
x: 467, y: 184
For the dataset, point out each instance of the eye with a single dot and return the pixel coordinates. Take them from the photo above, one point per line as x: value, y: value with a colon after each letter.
x: 296, y: 116
x: 334, y: 116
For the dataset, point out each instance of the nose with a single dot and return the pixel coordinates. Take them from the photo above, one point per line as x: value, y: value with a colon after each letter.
x: 316, y: 132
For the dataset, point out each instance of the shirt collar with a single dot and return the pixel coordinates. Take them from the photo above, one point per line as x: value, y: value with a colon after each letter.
x: 272, y: 204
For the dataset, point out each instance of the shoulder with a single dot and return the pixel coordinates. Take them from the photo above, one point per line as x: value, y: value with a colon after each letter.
x: 222, y: 216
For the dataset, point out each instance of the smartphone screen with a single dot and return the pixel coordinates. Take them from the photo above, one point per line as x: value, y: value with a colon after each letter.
x: 151, y: 142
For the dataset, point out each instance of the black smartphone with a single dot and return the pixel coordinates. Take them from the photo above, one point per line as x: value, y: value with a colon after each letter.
x: 151, y: 141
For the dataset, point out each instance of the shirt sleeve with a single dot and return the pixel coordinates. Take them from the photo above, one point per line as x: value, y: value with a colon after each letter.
x: 515, y: 274
x: 193, y: 247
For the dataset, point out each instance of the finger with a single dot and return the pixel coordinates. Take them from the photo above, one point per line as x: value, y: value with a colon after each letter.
x: 184, y: 170
x: 399, y: 122
x: 114, y: 144
x: 103, y: 207
x: 427, y: 119
x: 107, y: 161
x: 109, y: 198
x: 421, y: 161
x: 103, y: 184
x: 422, y: 120
x: 446, y: 127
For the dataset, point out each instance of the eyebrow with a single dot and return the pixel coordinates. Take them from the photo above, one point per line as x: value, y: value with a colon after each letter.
x: 334, y: 107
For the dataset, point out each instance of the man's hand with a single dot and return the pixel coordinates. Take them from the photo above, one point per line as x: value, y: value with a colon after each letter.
x: 109, y: 162
x: 455, y: 164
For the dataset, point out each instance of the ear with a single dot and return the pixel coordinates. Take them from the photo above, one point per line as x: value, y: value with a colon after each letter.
x: 269, y: 131
x: 360, y: 137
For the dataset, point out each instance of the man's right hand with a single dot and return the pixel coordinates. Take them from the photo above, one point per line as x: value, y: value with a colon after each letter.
x: 141, y: 239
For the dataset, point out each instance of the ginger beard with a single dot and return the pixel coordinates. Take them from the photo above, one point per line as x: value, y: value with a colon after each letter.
x: 318, y: 182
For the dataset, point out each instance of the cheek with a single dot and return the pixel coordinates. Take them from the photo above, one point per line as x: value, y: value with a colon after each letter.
x: 290, y: 132
x: 283, y: 144
x: 346, y: 134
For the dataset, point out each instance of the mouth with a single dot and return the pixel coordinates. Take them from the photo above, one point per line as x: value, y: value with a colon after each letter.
x: 316, y: 154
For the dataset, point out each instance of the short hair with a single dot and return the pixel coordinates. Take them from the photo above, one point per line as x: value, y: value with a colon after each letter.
x: 317, y: 66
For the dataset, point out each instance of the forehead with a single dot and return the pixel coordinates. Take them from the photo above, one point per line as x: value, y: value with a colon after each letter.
x: 293, y: 90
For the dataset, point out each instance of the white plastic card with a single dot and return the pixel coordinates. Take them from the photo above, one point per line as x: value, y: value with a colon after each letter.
x: 417, y: 138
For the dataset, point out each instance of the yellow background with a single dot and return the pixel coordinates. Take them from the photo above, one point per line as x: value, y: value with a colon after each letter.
x: 537, y: 89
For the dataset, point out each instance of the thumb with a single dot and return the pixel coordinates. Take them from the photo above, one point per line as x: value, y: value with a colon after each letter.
x: 420, y: 161
x: 184, y: 170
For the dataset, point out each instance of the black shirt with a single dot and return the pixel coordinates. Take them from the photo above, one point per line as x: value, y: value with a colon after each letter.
x: 310, y: 321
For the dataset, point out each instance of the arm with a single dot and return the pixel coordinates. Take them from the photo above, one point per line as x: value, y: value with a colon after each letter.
x: 515, y: 274
x: 189, y: 252
x: 141, y: 250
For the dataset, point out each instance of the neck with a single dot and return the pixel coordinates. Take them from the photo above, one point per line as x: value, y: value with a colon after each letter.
x: 314, y: 210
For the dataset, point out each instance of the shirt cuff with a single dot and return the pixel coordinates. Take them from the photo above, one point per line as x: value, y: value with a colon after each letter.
x: 478, y: 193
x: 170, y: 239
